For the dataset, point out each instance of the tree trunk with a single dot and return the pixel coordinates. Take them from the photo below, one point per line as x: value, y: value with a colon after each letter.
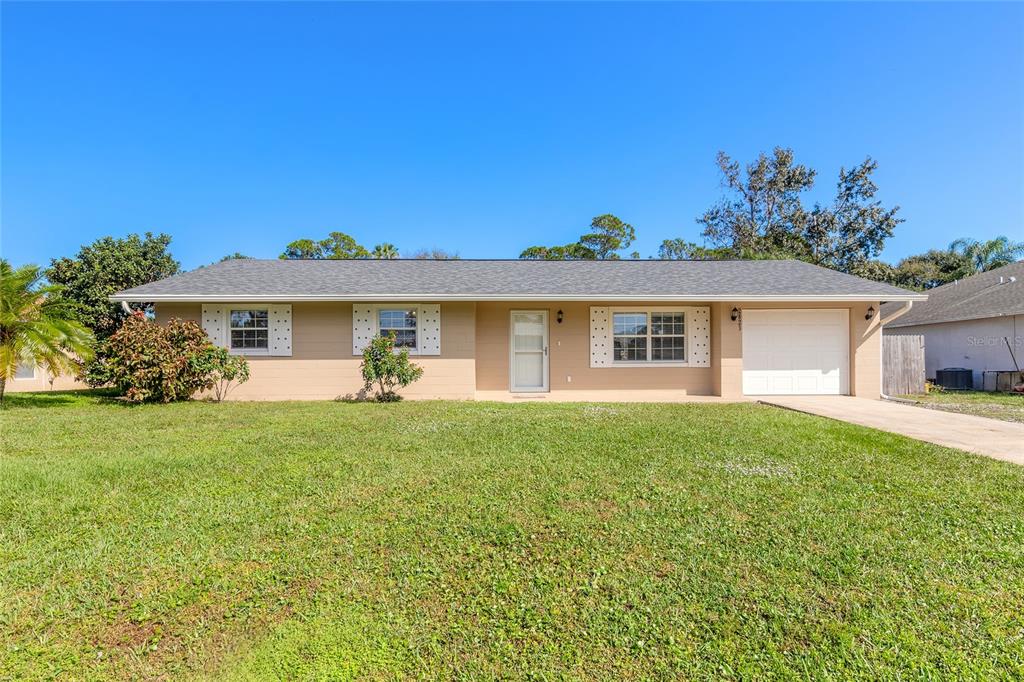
x: 3, y: 385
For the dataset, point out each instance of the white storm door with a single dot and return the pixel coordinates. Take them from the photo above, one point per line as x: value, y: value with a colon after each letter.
x: 796, y: 352
x: 529, y: 350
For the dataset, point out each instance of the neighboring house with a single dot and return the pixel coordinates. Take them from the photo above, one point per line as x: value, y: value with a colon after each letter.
x: 964, y: 323
x: 632, y: 329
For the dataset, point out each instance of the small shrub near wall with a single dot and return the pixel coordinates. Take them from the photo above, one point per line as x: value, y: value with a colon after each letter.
x: 149, y: 362
x: 384, y: 369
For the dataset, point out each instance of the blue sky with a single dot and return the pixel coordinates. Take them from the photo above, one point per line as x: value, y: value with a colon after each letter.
x: 485, y: 128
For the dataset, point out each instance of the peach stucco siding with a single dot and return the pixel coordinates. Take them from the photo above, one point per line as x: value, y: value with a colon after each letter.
x: 569, y: 344
x: 322, y: 365
x: 475, y: 354
x: 44, y: 382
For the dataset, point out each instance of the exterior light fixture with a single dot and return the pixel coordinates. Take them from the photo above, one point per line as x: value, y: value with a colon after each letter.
x: 735, y: 314
x: 558, y: 317
x: 871, y: 313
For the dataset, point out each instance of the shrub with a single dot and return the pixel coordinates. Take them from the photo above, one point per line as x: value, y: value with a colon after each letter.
x: 226, y: 370
x: 384, y: 369
x: 146, y: 361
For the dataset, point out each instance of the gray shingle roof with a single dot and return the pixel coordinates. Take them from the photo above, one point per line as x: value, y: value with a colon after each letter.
x: 510, y: 279
x: 972, y: 298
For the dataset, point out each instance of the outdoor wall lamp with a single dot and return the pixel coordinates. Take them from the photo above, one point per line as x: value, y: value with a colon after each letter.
x: 735, y: 314
x: 558, y: 317
x: 871, y: 312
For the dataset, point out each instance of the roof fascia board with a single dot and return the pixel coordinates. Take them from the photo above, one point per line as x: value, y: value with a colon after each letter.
x: 182, y: 298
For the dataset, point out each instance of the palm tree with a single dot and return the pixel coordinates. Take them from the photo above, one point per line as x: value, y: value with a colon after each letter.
x: 385, y: 251
x: 36, y: 327
x: 988, y: 255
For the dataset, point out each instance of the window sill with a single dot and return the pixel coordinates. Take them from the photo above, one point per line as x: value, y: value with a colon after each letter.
x: 652, y: 363
x: 249, y: 352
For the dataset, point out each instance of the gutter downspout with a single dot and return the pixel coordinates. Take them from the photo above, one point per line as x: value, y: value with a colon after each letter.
x: 127, y: 308
x: 900, y: 312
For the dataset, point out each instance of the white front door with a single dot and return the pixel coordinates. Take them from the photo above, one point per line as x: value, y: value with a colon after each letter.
x: 529, y: 350
x: 796, y: 352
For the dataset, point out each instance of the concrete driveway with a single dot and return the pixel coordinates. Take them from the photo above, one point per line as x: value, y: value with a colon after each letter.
x: 991, y: 437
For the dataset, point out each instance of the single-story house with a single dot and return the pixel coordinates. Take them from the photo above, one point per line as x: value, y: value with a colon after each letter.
x: 964, y: 323
x: 629, y: 329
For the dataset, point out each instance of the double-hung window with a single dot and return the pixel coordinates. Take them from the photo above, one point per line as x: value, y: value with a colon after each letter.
x: 250, y: 330
x: 401, y: 322
x: 654, y: 336
x: 25, y: 371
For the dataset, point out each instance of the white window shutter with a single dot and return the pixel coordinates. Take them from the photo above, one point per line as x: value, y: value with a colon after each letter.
x: 281, y: 329
x: 364, y: 326
x: 698, y: 336
x: 215, y: 324
x: 429, y: 341
x: 600, y: 337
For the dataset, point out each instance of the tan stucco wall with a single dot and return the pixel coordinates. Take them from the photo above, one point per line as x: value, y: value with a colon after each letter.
x: 41, y: 382
x: 569, y: 345
x: 475, y: 353
x: 322, y: 365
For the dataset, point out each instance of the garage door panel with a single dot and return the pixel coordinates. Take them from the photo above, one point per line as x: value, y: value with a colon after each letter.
x: 795, y: 352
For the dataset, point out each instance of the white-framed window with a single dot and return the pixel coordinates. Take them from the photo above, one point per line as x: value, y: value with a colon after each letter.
x: 25, y: 371
x: 402, y: 322
x: 655, y: 336
x: 249, y: 330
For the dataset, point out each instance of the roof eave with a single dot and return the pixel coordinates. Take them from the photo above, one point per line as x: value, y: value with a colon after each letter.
x: 948, y: 320
x: 195, y: 298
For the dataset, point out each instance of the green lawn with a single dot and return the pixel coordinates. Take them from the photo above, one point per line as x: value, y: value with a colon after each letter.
x: 1006, y: 406
x: 469, y: 540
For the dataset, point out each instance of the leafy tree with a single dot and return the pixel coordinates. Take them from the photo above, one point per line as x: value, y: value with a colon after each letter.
x: 680, y: 249
x: 434, y: 254
x: 224, y: 369
x: 854, y: 229
x: 337, y: 246
x: 575, y: 251
x: 762, y: 209
x: 762, y: 215
x: 37, y: 326
x: 963, y: 258
x: 931, y: 269
x: 106, y: 266
x: 608, y: 236
x: 385, y: 251
x: 384, y: 369
x: 988, y: 255
x: 235, y: 256
x: 303, y: 249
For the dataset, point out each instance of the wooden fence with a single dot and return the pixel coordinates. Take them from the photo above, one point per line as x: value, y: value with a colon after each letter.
x: 903, y: 364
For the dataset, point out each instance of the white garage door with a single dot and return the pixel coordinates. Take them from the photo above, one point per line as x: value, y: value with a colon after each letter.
x: 796, y: 352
